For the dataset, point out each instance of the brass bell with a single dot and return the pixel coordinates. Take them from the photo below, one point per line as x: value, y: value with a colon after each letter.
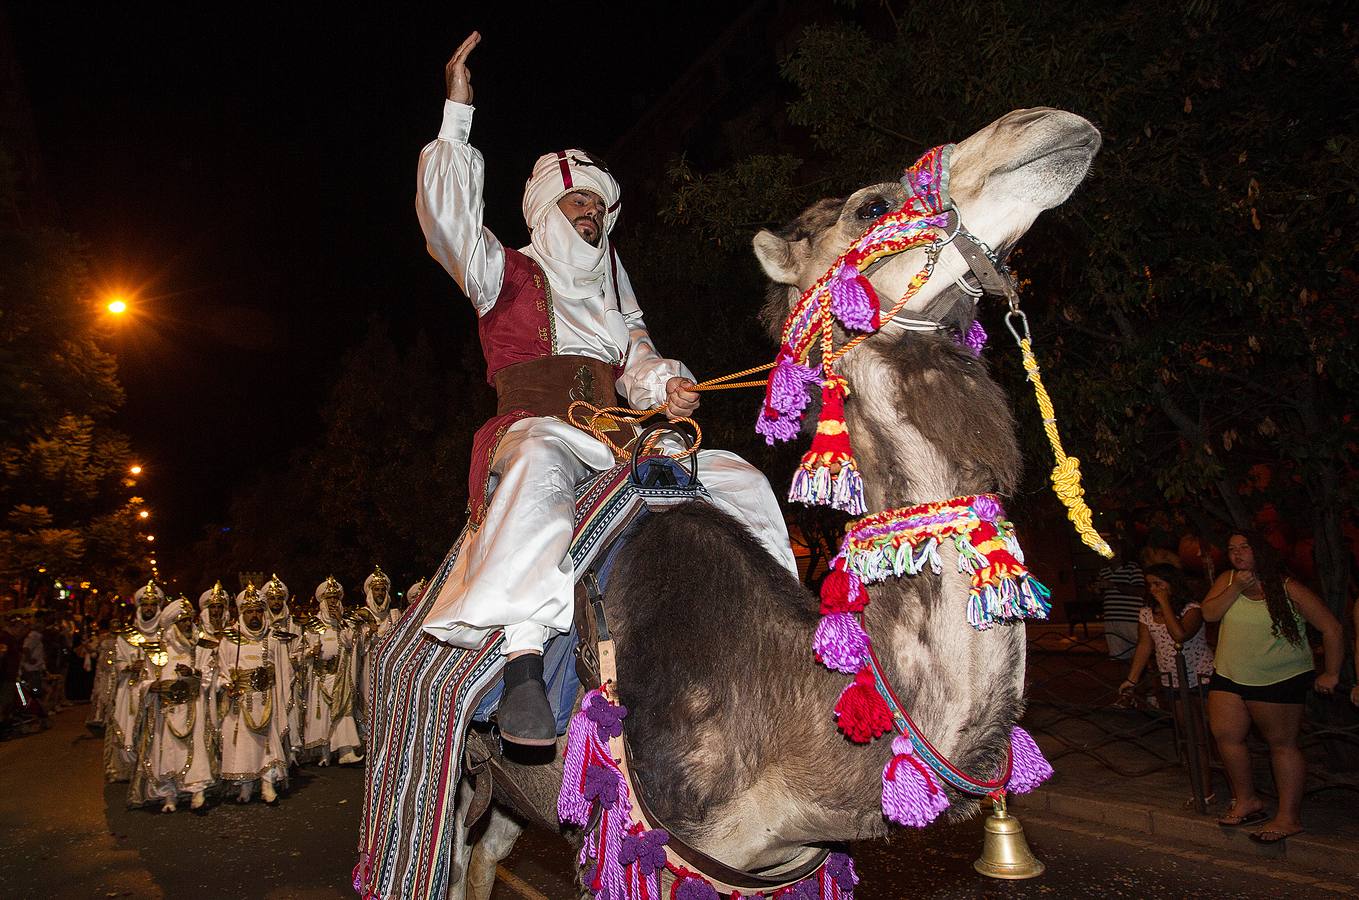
x: 1005, y: 853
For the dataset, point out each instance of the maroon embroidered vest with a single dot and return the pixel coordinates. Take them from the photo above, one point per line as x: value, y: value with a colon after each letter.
x: 519, y: 327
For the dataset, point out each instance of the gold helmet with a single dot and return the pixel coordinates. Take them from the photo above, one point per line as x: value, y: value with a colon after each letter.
x: 330, y: 590
x: 379, y: 578
x: 275, y: 589
x: 251, y: 599
x: 218, y: 595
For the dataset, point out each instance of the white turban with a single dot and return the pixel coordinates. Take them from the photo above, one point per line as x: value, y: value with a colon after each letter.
x: 576, y: 270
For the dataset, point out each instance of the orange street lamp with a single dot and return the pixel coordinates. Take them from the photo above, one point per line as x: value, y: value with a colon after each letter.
x: 143, y: 515
x: 150, y: 537
x: 117, y: 306
x: 135, y: 470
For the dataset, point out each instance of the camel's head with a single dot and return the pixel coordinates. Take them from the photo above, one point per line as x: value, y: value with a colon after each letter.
x: 999, y: 180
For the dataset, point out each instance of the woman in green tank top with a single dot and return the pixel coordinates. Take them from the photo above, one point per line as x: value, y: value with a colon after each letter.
x: 1264, y: 667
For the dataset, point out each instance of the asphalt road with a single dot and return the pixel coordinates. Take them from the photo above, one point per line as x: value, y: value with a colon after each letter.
x: 65, y: 834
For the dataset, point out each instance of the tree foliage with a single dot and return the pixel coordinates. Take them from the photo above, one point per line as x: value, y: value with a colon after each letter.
x: 1193, y: 302
x: 63, y: 504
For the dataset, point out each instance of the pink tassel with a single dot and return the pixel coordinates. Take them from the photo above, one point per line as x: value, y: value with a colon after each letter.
x: 841, y: 642
x: 909, y: 794
x: 853, y: 300
x: 1028, y: 767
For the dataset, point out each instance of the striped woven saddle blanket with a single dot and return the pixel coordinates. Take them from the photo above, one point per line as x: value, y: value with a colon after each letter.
x: 424, y: 694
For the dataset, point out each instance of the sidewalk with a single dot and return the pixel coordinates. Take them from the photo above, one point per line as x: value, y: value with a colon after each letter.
x: 1155, y: 804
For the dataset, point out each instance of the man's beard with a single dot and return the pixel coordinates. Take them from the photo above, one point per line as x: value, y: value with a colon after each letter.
x: 599, y: 232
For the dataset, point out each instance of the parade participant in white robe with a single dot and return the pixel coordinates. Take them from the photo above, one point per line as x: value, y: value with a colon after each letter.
x: 132, y: 666
x: 413, y: 594
x: 173, y: 745
x: 514, y: 571
x: 374, y: 620
x: 288, y: 630
x: 105, y: 676
x: 213, y: 617
x: 329, y: 726
x: 253, y: 669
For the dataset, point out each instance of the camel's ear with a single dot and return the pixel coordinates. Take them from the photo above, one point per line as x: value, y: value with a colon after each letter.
x: 779, y: 257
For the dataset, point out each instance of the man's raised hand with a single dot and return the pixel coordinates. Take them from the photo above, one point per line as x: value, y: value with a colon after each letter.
x: 457, y: 78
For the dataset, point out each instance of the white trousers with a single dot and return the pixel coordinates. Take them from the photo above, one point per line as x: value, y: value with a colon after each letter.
x: 515, y: 572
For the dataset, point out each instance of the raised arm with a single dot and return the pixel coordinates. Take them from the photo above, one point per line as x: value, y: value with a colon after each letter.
x: 1223, y: 594
x: 448, y: 198
x: 648, y: 378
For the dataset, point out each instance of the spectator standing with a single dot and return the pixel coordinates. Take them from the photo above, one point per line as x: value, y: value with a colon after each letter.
x: 1169, y: 618
x: 33, y: 670
x: 1122, y: 589
x: 1263, y: 669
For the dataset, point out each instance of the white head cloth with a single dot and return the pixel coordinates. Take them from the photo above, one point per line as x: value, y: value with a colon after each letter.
x: 147, y: 626
x: 204, y: 614
x: 240, y: 615
x: 377, y: 609
x: 282, y: 614
x: 415, y: 592
x: 322, y: 612
x: 576, y: 270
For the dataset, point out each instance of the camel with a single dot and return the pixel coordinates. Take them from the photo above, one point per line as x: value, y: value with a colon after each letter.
x: 732, y: 737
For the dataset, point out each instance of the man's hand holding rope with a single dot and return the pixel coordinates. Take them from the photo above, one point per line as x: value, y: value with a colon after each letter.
x: 681, y: 400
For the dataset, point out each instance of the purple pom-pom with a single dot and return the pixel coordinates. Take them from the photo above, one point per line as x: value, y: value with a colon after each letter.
x: 987, y: 509
x: 646, y: 848
x: 840, y: 867
x: 806, y: 889
x: 975, y: 338
x: 850, y: 303
x: 1028, y: 767
x: 601, y: 785
x: 607, y: 716
x: 841, y: 642
x: 693, y: 888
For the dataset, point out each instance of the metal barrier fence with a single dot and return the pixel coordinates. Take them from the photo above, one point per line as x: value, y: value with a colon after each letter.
x: 1073, y: 701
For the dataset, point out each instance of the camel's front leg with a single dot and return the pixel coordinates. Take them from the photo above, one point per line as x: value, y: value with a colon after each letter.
x: 495, y: 844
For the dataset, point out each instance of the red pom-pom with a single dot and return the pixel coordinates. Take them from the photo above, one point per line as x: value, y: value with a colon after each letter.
x: 842, y: 592
x: 861, y: 712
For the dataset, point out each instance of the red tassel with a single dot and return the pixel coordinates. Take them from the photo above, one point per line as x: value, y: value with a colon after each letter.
x: 842, y: 592
x: 861, y: 712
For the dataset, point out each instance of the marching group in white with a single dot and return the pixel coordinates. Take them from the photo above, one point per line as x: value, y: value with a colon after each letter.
x: 238, y: 692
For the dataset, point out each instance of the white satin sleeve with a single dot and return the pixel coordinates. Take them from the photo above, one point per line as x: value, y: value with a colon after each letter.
x: 645, y: 371
x: 448, y: 202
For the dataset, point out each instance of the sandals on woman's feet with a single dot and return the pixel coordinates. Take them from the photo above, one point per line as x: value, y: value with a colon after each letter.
x: 1253, y: 818
x: 1272, y: 835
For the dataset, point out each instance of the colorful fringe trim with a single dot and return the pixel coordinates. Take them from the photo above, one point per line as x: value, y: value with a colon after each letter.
x: 898, y: 542
x: 628, y: 859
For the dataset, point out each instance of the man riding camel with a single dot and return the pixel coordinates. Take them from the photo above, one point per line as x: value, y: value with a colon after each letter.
x: 559, y: 322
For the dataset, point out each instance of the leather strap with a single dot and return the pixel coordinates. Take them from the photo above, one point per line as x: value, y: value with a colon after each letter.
x: 979, y: 260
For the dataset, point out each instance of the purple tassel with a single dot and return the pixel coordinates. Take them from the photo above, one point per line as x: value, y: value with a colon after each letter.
x: 571, y: 803
x: 909, y: 795
x: 777, y: 427
x: 601, y: 786
x: 1028, y: 767
x: 646, y: 848
x: 841, y: 642
x: 607, y: 716
x: 853, y: 300
x: 975, y: 338
x: 808, y: 888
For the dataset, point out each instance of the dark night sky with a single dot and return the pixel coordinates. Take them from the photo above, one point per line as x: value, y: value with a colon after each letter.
x: 248, y: 176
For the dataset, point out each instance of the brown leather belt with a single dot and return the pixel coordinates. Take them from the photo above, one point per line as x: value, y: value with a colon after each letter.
x: 549, y: 385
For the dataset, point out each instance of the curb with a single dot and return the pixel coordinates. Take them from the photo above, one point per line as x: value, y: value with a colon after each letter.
x: 1332, y: 854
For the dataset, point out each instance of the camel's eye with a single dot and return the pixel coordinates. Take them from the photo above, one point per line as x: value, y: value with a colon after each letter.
x: 874, y: 208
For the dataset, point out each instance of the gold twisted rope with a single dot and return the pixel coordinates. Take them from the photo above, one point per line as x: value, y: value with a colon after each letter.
x: 625, y: 415
x: 1066, y: 475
